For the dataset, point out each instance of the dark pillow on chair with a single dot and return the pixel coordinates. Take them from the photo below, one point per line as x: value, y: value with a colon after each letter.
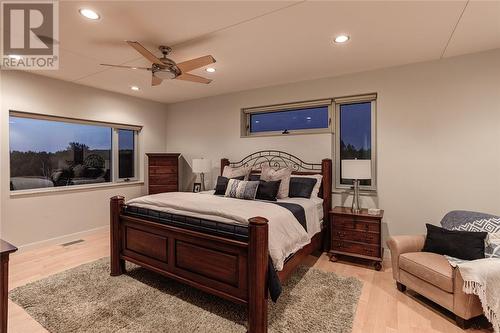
x: 464, y: 245
x: 220, y: 187
x: 301, y: 187
x: 268, y: 190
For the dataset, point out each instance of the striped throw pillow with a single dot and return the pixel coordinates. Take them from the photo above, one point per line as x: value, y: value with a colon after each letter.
x: 241, y: 189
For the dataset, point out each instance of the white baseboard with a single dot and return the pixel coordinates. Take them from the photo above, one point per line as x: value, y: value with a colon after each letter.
x: 61, y: 239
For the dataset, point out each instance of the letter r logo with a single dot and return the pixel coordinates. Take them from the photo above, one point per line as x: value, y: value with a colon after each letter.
x: 28, y: 28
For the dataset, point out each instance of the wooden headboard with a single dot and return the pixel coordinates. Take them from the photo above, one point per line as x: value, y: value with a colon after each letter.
x: 278, y: 159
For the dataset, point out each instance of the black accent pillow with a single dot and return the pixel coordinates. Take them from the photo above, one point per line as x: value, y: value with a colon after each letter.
x: 220, y: 187
x: 253, y: 177
x: 464, y: 245
x: 301, y: 187
x: 268, y: 190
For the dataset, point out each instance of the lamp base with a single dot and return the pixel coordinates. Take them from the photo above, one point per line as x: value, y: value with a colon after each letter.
x: 202, y: 178
x: 356, y: 208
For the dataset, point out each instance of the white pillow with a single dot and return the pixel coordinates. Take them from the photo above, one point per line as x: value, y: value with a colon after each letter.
x: 319, y: 178
x: 230, y: 172
x: 269, y: 174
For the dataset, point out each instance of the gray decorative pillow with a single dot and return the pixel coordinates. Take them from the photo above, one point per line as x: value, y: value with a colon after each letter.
x: 241, y: 189
x: 269, y: 174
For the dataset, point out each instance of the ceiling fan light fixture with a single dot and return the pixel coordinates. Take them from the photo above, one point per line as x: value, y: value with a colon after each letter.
x: 210, y: 70
x: 89, y: 13
x: 341, y: 39
x: 165, y: 75
x: 135, y: 88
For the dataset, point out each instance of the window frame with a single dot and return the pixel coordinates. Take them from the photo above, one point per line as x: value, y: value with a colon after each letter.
x: 246, y: 114
x: 116, y: 157
x: 114, y: 151
x: 338, y: 102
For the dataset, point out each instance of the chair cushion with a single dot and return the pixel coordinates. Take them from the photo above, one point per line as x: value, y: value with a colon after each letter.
x: 430, y: 267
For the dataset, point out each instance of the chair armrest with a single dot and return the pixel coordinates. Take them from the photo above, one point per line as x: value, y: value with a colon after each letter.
x: 403, y: 244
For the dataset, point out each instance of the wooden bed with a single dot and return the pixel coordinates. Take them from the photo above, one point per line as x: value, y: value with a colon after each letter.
x: 232, y: 268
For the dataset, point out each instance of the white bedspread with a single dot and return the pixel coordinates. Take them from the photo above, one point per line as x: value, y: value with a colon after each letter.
x: 286, y: 235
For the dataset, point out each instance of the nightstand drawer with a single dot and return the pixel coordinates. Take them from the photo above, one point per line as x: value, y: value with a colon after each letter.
x: 356, y: 248
x: 357, y: 236
x: 355, y: 224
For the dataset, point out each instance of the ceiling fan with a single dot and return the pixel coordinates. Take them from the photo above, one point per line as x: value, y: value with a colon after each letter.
x: 164, y: 68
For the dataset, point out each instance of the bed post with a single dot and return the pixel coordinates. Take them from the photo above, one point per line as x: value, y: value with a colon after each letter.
x: 117, y: 264
x: 326, y: 170
x: 258, y: 255
x: 223, y: 163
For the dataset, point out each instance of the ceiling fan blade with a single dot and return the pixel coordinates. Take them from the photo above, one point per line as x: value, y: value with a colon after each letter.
x: 189, y: 65
x: 193, y: 78
x: 155, y: 81
x: 128, y: 67
x: 145, y: 53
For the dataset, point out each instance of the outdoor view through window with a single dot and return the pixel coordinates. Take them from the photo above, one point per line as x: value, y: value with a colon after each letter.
x: 49, y: 153
x: 355, y: 135
x: 126, y: 153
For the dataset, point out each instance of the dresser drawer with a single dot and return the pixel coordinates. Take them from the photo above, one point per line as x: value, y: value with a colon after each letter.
x: 168, y: 179
x: 153, y: 189
x: 357, y: 236
x: 160, y: 161
x: 356, y: 224
x: 162, y: 170
x: 356, y: 248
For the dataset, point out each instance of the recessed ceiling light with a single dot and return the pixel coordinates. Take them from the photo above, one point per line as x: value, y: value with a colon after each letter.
x: 341, y: 39
x: 15, y: 56
x: 210, y: 69
x: 89, y: 13
x: 135, y: 88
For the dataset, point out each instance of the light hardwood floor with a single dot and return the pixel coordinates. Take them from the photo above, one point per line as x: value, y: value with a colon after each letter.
x: 381, y: 308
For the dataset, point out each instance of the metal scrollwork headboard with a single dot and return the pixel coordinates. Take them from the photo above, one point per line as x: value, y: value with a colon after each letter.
x: 277, y: 160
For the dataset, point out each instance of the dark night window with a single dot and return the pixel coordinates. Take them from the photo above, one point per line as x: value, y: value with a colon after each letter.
x: 299, y: 119
x: 126, y: 153
x: 355, y: 137
x: 291, y: 118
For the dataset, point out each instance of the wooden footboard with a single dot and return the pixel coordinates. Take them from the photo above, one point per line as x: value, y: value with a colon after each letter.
x: 232, y: 269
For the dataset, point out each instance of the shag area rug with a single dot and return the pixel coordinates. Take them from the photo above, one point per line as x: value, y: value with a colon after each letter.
x: 87, y: 299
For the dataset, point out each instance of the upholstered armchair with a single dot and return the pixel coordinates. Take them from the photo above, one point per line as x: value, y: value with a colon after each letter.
x: 431, y: 275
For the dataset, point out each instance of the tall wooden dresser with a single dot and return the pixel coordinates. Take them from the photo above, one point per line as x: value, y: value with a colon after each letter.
x: 356, y: 235
x: 163, y: 172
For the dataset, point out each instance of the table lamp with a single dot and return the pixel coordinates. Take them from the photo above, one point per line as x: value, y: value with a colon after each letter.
x: 202, y: 166
x: 356, y: 170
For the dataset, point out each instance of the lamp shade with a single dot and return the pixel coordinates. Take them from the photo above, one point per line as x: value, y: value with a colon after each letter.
x: 201, y: 165
x: 356, y: 169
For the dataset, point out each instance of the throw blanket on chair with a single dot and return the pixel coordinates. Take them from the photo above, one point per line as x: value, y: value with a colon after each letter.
x: 481, y: 277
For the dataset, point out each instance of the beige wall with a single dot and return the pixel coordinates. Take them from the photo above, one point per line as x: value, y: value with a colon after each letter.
x: 35, y: 218
x: 438, y: 133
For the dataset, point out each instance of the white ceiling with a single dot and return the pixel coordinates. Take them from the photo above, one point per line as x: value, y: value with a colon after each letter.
x: 263, y: 43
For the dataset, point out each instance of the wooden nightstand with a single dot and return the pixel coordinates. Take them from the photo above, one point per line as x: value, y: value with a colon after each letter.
x: 356, y: 235
x: 5, y: 250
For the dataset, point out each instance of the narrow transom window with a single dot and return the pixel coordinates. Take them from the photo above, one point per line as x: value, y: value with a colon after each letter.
x: 284, y: 119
